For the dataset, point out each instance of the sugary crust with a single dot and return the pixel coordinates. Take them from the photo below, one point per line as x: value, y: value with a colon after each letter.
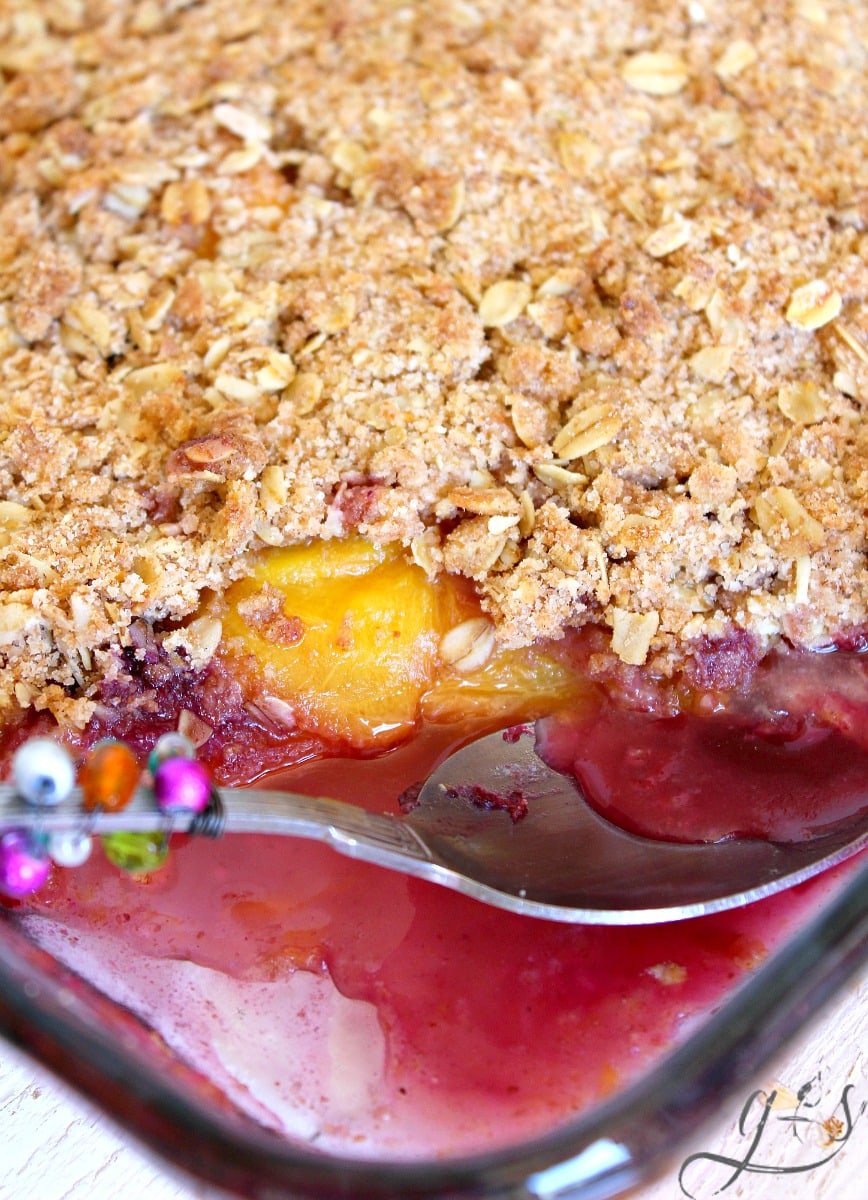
x: 570, y: 298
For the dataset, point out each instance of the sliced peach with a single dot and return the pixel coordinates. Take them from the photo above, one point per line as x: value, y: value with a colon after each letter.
x: 514, y: 685
x: 346, y: 633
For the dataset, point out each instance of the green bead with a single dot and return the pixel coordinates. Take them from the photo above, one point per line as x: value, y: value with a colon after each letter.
x: 138, y: 853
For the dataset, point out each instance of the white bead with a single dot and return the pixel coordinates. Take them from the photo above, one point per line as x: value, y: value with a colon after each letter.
x: 43, y: 772
x: 69, y: 849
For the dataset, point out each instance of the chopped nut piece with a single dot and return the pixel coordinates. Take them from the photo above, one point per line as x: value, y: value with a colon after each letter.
x: 237, y: 162
x: 556, y: 477
x: 503, y: 302
x: 305, y: 392
x: 786, y: 522
x: 86, y: 317
x: 802, y: 402
x: 209, y: 451
x: 193, y: 727
x: 500, y: 523
x: 336, y: 316
x: 468, y: 646
x: 559, y: 284
x: 217, y: 456
x: 268, y: 533
x: 724, y: 127
x: 272, y: 489
x: 273, y: 711
x: 657, y: 73
x: 14, y: 515
x: 812, y: 10
x: 203, y: 637
x: 186, y: 202
x: 530, y: 420
x: 471, y: 549
x: 813, y: 305
x: 277, y: 373
x: 802, y: 579
x: 846, y: 383
x: 632, y: 634
x: 566, y: 559
x: 695, y: 293
x: 528, y: 515
x: 849, y: 338
x: 672, y: 236
x: 425, y: 552
x: 578, y: 153
x: 248, y: 126
x: 712, y: 363
x: 588, y: 430
x: 237, y: 389
x: 484, y: 501
x: 736, y: 58
x: 14, y: 619
x: 350, y: 158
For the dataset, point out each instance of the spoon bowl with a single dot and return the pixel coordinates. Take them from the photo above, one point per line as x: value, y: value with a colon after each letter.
x: 495, y: 822
x: 564, y: 862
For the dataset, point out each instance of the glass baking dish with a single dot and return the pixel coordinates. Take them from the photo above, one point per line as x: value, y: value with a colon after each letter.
x: 115, y: 1060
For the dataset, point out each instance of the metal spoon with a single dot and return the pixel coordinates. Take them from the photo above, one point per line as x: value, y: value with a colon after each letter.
x: 561, y: 861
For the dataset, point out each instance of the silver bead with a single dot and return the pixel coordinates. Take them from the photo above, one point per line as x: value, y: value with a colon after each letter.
x: 69, y: 849
x: 170, y: 745
x: 43, y: 772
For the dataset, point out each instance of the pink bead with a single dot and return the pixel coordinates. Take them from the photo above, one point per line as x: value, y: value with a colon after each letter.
x: 182, y: 783
x: 23, y: 868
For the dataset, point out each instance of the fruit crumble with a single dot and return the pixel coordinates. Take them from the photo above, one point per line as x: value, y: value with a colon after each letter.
x: 569, y: 300
x: 374, y: 375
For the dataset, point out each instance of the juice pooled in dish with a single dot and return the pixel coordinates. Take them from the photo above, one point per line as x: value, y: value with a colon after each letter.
x: 382, y: 1015
x: 373, y: 376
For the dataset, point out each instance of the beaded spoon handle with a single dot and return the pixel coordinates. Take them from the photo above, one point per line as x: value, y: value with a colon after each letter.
x: 555, y: 858
x: 45, y: 818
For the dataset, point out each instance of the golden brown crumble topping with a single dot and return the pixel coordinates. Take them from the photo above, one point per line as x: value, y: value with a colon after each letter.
x: 569, y: 298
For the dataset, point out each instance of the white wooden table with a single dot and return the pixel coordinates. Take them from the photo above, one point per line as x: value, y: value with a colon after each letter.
x: 56, y: 1147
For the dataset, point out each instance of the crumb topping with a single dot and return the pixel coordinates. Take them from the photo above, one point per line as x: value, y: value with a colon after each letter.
x: 569, y: 299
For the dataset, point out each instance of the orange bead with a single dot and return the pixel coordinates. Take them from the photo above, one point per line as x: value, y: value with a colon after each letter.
x: 108, y: 776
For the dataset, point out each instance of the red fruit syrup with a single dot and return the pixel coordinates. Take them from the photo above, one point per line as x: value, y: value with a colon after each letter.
x: 382, y: 1016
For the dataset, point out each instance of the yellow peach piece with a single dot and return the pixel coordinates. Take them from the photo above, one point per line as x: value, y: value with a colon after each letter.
x: 512, y: 686
x: 357, y: 644
x: 344, y: 632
